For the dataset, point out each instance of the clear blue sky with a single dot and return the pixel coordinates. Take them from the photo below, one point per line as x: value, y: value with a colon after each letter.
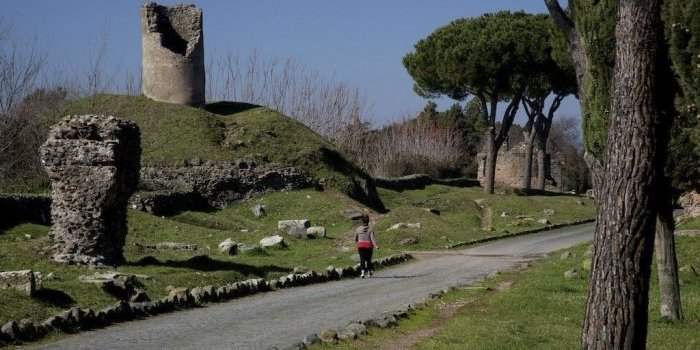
x: 360, y: 42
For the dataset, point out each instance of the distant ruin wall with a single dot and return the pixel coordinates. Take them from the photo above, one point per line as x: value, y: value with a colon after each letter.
x: 510, y: 169
x: 173, y: 54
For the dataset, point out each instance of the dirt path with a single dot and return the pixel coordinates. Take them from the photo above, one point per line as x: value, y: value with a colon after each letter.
x: 282, y: 318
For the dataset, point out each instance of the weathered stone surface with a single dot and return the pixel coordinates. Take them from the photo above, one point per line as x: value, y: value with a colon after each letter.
x: 93, y: 163
x: 275, y: 241
x: 139, y: 296
x: 176, y: 246
x: 352, y: 331
x: 27, y: 330
x: 511, y: 164
x: 316, y: 232
x: 311, y: 339
x: 10, y: 330
x: 228, y: 247
x: 122, y: 286
x: 24, y: 281
x: 212, y: 184
x: 408, y: 241
x: 172, y: 45
x: 259, y: 210
x: 571, y: 274
x: 329, y: 336
x: 402, y: 225
x: 294, y: 227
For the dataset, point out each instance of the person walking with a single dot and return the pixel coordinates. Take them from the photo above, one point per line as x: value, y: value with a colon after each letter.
x: 366, y: 242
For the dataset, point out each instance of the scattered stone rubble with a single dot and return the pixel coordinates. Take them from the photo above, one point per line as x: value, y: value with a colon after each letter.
x: 228, y: 247
x: 93, y: 163
x: 275, y: 241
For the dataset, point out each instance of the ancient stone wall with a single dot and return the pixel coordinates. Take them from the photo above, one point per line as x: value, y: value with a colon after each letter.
x: 173, y: 54
x: 510, y: 168
x: 215, y: 183
x: 93, y: 163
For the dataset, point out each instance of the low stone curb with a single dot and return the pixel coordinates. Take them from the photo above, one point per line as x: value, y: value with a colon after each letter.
x: 522, y: 233
x: 356, y: 329
x: 78, y: 319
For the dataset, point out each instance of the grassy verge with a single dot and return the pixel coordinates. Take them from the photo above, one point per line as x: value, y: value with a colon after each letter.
x: 533, y: 309
x: 461, y: 219
x: 458, y: 220
x: 690, y: 224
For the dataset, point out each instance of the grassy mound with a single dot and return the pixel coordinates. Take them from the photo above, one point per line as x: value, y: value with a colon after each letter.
x: 172, y: 135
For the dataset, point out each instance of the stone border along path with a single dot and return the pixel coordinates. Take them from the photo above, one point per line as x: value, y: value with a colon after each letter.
x: 281, y: 319
x: 77, y: 319
x: 358, y: 329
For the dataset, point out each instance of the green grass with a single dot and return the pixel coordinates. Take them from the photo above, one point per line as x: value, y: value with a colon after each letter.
x: 460, y: 217
x: 173, y: 134
x: 458, y: 221
x: 542, y: 310
x: 690, y: 224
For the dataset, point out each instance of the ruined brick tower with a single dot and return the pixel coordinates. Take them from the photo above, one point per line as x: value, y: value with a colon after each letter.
x: 173, y: 54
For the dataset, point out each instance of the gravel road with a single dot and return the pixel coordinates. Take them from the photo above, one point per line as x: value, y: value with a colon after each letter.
x: 284, y: 317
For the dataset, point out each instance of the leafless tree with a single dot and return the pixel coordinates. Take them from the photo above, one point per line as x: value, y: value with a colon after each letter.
x: 325, y: 105
x: 403, y: 148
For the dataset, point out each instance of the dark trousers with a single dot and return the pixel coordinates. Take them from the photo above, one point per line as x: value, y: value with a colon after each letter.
x: 365, y: 259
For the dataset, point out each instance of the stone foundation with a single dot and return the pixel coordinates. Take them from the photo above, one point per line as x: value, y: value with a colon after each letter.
x: 93, y: 164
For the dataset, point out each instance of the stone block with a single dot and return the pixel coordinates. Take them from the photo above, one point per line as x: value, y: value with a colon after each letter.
x: 24, y: 281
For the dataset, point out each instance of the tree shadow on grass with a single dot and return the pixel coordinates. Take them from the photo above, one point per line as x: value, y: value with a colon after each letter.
x: 54, y: 297
x: 205, y: 263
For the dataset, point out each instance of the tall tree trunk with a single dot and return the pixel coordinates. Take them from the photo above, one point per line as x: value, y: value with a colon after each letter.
x: 527, y: 166
x: 491, y: 157
x: 541, y: 165
x: 666, y: 262
x: 618, y: 293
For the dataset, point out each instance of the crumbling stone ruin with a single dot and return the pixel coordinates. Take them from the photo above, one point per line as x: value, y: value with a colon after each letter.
x: 93, y: 163
x: 510, y: 168
x: 208, y: 184
x: 173, y: 54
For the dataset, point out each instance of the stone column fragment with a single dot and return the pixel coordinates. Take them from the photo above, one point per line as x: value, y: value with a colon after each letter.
x: 172, y: 43
x: 93, y: 163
